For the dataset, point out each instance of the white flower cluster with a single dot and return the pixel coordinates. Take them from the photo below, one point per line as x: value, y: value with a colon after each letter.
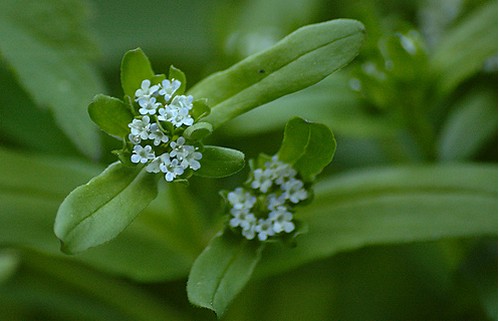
x: 265, y: 208
x: 159, y: 106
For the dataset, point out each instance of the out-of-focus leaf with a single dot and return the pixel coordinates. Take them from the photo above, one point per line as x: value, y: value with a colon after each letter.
x: 222, y: 270
x: 470, y: 124
x: 299, y: 60
x: 220, y: 162
x: 9, y: 261
x: 47, y: 47
x: 98, y: 211
x: 390, y: 206
x: 58, y: 289
x: 465, y: 49
x: 111, y: 114
x: 307, y: 146
x: 32, y: 188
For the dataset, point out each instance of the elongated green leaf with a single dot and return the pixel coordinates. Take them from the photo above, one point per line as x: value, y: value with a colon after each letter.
x: 307, y: 146
x: 470, y: 125
x: 135, y: 68
x: 97, y: 212
x: 222, y: 270
x: 220, y: 162
x: 299, y: 60
x: 47, y: 47
x: 391, y: 206
x: 198, y: 131
x: 111, y: 114
x: 465, y: 49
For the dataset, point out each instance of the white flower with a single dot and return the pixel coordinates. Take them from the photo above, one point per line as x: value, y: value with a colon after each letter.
x: 281, y: 219
x: 149, y: 105
x: 176, y: 115
x: 264, y: 229
x: 146, y: 90
x: 261, y: 180
x: 157, y: 135
x: 140, y: 127
x: 273, y: 201
x: 294, y: 191
x: 134, y: 139
x: 240, y: 199
x: 154, y: 165
x: 170, y: 167
x: 168, y: 88
x: 242, y: 218
x: 142, y: 154
x: 280, y: 171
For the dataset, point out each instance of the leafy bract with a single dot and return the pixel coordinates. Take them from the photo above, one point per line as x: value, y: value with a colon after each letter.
x: 220, y: 162
x: 97, y: 212
x: 111, y: 114
x: 299, y: 60
x: 392, y: 206
x: 135, y: 68
x: 47, y: 47
x: 222, y: 270
x: 307, y: 146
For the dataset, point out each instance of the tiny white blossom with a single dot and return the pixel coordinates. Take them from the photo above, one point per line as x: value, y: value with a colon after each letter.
x: 273, y: 201
x: 170, y: 167
x: 140, y: 127
x: 142, y: 154
x: 176, y: 115
x: 157, y: 135
x: 154, y: 166
x: 294, y: 191
x: 192, y: 157
x: 149, y: 105
x: 241, y: 199
x: 264, y: 229
x: 280, y: 171
x: 242, y: 218
x: 168, y: 88
x: 281, y: 220
x: 146, y: 90
x: 134, y: 139
x: 261, y: 180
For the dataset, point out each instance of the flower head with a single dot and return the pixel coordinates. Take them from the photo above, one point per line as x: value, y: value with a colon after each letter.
x: 168, y: 88
x: 142, y: 154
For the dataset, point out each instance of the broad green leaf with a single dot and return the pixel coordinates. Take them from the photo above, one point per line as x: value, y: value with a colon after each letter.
x: 222, y: 270
x: 299, y: 60
x: 391, y: 206
x: 98, y: 211
x: 471, y: 123
x: 135, y: 68
x: 200, y: 109
x: 111, y: 114
x: 48, y: 48
x: 307, y: 146
x: 466, y: 47
x: 175, y: 73
x: 198, y: 131
x: 220, y: 162
x: 32, y: 188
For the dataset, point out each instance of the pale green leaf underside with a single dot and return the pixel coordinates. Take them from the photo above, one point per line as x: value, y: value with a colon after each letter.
x: 222, y: 270
x: 299, y: 60
x: 47, y: 47
x: 97, y: 212
x: 391, y: 206
x: 220, y: 162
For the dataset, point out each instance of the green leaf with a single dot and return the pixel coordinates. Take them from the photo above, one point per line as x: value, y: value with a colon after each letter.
x: 134, y: 69
x: 307, y: 146
x: 97, y: 212
x: 198, y: 131
x: 466, y: 47
x: 49, y: 50
x: 471, y: 123
x: 391, y: 206
x: 222, y: 270
x: 200, y: 109
x: 299, y: 60
x: 175, y: 73
x: 220, y: 162
x: 111, y: 114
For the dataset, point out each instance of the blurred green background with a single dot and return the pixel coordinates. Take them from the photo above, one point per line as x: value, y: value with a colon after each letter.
x: 423, y: 91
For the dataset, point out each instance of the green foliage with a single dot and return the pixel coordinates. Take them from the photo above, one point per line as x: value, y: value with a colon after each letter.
x: 49, y: 50
x: 402, y: 225
x: 96, y: 212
